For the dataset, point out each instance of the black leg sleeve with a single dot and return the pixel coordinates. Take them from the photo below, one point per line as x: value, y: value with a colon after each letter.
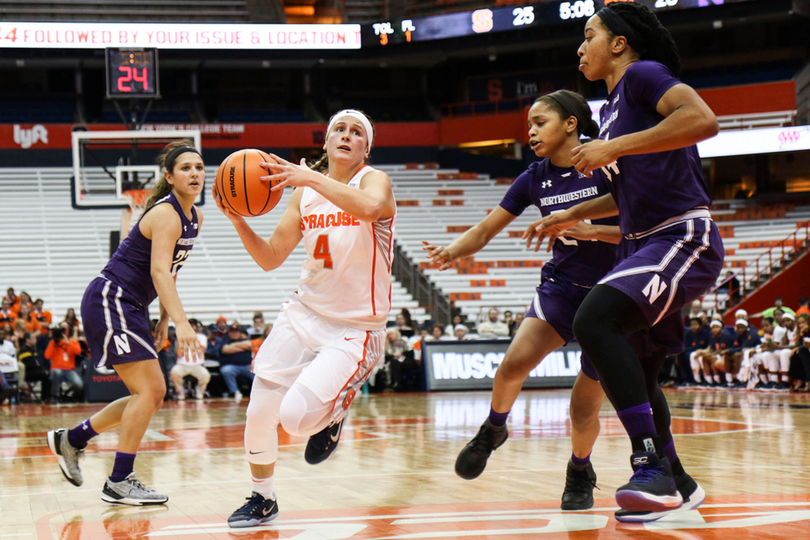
x: 604, y: 317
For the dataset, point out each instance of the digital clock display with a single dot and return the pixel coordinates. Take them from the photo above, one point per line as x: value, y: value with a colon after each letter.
x: 484, y: 21
x: 132, y: 73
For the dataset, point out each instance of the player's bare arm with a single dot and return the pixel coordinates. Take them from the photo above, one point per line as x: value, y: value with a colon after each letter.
x: 471, y: 242
x: 162, y: 225
x: 372, y: 202
x: 687, y: 121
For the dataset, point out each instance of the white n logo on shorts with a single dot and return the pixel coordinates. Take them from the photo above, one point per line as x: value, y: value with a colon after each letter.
x: 654, y: 289
x: 122, y: 343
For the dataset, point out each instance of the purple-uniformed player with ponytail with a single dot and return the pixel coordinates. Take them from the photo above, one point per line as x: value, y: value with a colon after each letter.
x: 116, y: 322
x: 671, y: 252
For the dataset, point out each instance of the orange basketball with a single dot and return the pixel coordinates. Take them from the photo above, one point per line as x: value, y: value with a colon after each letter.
x: 238, y: 183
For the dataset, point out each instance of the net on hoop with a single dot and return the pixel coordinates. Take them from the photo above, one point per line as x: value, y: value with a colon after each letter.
x: 137, y: 203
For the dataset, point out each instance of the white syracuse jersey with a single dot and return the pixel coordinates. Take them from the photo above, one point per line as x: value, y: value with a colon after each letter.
x: 347, y: 277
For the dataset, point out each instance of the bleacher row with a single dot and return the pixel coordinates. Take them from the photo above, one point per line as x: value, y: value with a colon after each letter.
x: 52, y: 251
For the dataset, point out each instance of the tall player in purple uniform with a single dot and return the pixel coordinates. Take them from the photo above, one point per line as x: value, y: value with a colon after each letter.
x: 582, y: 256
x: 671, y: 252
x: 116, y: 322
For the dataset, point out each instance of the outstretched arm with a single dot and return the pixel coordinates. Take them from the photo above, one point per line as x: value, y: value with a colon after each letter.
x: 472, y: 241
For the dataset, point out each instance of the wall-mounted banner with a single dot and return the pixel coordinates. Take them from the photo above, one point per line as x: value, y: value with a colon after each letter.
x: 471, y: 365
x: 88, y: 35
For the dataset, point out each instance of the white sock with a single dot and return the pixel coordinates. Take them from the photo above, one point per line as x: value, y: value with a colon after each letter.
x: 264, y: 487
x: 729, y: 377
x: 774, y: 377
x: 763, y: 378
x: 716, y: 379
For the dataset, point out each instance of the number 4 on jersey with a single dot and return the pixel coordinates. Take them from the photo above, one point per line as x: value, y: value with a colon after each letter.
x: 322, y: 251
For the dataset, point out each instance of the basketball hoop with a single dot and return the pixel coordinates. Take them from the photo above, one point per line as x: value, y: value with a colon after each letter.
x: 137, y: 202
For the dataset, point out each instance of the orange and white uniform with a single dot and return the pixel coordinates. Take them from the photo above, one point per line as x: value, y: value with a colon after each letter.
x: 331, y: 333
x: 347, y: 277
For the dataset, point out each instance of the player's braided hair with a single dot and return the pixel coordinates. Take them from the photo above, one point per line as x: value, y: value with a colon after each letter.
x: 321, y: 164
x: 162, y: 186
x: 652, y: 41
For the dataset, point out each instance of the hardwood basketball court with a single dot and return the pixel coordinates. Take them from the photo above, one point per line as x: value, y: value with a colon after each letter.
x: 392, y: 476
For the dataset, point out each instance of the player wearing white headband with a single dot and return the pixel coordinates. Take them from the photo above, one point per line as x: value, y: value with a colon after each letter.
x: 331, y: 333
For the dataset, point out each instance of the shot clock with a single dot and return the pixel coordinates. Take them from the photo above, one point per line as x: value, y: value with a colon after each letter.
x: 132, y: 73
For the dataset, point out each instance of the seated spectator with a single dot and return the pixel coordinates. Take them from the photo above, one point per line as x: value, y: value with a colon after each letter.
x: 405, y: 324
x: 24, y: 302
x: 62, y: 352
x: 695, y: 338
x: 460, y: 332
x: 518, y: 321
x: 780, y: 348
x: 705, y: 360
x: 493, y: 328
x: 35, y: 368
x: 777, y: 304
x: 42, y: 315
x: 13, y: 299
x: 72, y: 320
x: 220, y: 328
x: 804, y: 306
x: 194, y: 367
x: 8, y: 366
x: 235, y: 357
x: 258, y: 326
x: 799, y: 372
x: 27, y: 317
x: 508, y: 320
x: 436, y: 333
x: 732, y: 360
x: 451, y: 328
x: 416, y: 344
x: 7, y: 315
x: 400, y: 366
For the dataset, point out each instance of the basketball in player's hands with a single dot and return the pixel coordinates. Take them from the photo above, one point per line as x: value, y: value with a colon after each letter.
x: 239, y: 183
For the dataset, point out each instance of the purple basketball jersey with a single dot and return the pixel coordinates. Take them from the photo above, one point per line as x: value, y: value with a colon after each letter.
x: 552, y: 189
x: 647, y: 190
x: 130, y: 265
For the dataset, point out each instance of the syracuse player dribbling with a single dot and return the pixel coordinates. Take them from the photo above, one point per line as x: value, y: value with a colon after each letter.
x: 331, y: 333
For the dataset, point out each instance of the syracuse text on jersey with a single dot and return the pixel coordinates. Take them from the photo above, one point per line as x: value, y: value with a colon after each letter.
x: 320, y: 221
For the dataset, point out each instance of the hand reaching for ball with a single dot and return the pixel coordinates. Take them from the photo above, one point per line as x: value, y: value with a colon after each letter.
x: 284, y: 173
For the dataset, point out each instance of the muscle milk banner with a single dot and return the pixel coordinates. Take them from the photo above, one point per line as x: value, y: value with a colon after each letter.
x: 471, y: 365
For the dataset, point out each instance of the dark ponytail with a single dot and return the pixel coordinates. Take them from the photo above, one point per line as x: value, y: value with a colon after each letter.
x: 567, y: 104
x: 166, y: 160
x: 648, y: 36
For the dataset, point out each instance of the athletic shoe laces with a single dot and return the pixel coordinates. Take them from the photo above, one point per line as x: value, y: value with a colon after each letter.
x: 647, y: 475
x: 485, y: 440
x: 579, y: 481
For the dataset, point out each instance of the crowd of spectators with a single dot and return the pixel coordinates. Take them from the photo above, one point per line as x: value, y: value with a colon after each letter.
x: 771, y: 358
x: 772, y: 355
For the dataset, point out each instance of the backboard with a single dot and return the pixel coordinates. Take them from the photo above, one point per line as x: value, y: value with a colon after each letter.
x: 108, y: 163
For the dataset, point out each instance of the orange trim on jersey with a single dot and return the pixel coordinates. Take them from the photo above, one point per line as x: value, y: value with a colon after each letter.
x: 373, y: 269
x: 363, y: 359
x: 390, y: 256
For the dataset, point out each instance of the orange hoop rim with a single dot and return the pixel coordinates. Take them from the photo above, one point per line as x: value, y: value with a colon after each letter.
x: 137, y: 197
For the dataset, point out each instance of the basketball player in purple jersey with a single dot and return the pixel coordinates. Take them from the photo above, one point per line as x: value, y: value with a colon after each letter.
x: 116, y: 322
x: 581, y: 257
x: 671, y: 251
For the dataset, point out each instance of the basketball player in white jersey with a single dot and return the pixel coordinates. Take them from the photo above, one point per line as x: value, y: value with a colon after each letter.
x: 331, y: 333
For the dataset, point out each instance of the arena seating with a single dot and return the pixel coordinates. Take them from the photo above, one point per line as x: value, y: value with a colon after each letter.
x: 53, y: 251
x: 505, y: 273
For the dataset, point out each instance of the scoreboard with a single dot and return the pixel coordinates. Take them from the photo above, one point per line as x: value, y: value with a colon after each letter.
x: 485, y: 21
